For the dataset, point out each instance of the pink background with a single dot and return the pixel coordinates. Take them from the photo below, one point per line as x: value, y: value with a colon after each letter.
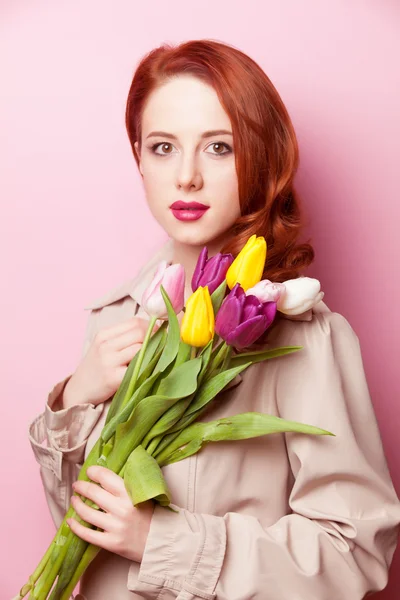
x: 74, y: 213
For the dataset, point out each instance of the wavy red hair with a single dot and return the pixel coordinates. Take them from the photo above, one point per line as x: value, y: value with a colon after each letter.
x: 266, y: 149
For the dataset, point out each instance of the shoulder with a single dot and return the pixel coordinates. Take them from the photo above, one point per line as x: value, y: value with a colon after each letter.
x: 327, y: 340
x: 319, y: 321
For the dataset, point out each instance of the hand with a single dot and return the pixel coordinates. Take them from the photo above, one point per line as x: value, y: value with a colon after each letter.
x: 102, y: 369
x: 125, y: 526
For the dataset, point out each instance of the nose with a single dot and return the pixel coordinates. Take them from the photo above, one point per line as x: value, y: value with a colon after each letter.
x: 188, y: 175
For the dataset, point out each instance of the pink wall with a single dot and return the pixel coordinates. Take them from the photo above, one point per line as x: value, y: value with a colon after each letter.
x: 74, y: 213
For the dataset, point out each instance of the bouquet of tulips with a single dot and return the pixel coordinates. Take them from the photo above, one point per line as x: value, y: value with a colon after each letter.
x: 153, y: 417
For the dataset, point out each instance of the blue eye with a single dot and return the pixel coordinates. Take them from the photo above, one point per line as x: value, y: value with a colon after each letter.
x: 154, y: 146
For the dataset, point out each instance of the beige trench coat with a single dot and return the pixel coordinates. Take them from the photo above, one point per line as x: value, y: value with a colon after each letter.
x: 279, y: 517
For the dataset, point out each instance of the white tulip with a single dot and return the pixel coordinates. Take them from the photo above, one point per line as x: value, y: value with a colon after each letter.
x: 299, y: 295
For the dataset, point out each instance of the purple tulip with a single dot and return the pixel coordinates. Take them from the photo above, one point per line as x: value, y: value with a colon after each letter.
x: 211, y: 272
x: 242, y: 318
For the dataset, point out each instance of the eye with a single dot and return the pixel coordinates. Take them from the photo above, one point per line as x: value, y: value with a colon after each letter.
x: 168, y: 145
x: 154, y: 146
x: 220, y: 145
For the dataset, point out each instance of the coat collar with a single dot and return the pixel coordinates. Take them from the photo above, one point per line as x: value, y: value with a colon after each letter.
x: 135, y: 287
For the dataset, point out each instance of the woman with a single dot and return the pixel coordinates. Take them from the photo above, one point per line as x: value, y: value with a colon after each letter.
x: 276, y: 517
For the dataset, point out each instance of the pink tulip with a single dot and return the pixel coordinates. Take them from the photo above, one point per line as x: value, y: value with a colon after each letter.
x: 267, y: 291
x: 172, y: 278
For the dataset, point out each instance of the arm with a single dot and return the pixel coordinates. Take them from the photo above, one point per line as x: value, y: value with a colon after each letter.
x: 66, y: 431
x: 339, y: 539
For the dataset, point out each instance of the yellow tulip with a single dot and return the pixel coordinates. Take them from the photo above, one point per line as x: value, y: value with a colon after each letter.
x: 248, y: 266
x: 197, y: 326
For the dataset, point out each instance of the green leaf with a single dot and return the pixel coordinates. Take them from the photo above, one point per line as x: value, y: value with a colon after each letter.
x: 173, y: 414
x: 158, y: 444
x: 217, y: 296
x: 181, y: 380
x: 238, y: 427
x: 130, y: 434
x: 148, y: 370
x: 123, y: 415
x: 119, y: 395
x: 183, y: 353
x: 155, y: 343
x: 206, y: 356
x: 173, y: 338
x: 210, y: 388
x: 144, y: 479
x: 260, y: 355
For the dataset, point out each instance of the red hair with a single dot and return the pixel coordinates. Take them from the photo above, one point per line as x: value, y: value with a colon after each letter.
x: 266, y: 149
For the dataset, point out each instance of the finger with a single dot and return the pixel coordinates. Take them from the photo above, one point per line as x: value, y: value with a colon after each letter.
x: 125, y: 356
x: 87, y: 534
x: 133, y: 336
x: 115, y: 330
x: 95, y: 492
x: 89, y: 514
x: 108, y: 480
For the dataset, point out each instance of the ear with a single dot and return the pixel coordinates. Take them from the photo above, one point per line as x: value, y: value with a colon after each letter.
x: 136, y: 145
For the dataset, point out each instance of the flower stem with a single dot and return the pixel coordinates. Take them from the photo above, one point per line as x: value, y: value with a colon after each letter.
x: 223, y: 350
x: 227, y: 359
x: 138, y: 364
x: 90, y: 553
x: 37, y: 572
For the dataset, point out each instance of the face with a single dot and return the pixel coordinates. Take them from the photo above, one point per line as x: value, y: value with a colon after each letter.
x: 183, y: 164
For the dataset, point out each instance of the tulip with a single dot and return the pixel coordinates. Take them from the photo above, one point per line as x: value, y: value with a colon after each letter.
x: 300, y: 295
x: 197, y: 326
x: 172, y: 278
x: 211, y: 272
x: 248, y: 266
x: 267, y: 291
x: 242, y: 318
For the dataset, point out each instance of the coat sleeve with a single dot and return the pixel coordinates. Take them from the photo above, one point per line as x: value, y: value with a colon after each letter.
x: 58, y: 439
x: 338, y: 540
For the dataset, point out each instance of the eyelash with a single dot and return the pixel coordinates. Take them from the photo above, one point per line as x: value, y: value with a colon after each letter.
x: 154, y: 146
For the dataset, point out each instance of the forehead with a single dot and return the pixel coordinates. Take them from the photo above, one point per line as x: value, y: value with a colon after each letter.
x: 184, y: 104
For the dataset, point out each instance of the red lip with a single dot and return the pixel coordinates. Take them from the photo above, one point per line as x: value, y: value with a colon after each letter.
x: 188, y: 205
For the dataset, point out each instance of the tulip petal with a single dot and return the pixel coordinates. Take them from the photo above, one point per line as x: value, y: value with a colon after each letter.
x: 299, y: 296
x: 155, y: 282
x: 252, y: 307
x: 248, y: 332
x: 248, y: 266
x: 172, y: 278
x: 269, y: 310
x: 197, y: 327
x: 198, y: 271
x: 174, y: 284
x: 229, y: 315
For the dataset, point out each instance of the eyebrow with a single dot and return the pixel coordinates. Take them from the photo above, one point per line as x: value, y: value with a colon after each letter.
x: 204, y: 135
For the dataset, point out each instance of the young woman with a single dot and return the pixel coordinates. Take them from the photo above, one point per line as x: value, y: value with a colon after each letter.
x: 275, y: 517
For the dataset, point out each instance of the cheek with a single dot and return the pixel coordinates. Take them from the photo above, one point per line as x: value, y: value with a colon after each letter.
x: 155, y: 183
x: 226, y: 188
